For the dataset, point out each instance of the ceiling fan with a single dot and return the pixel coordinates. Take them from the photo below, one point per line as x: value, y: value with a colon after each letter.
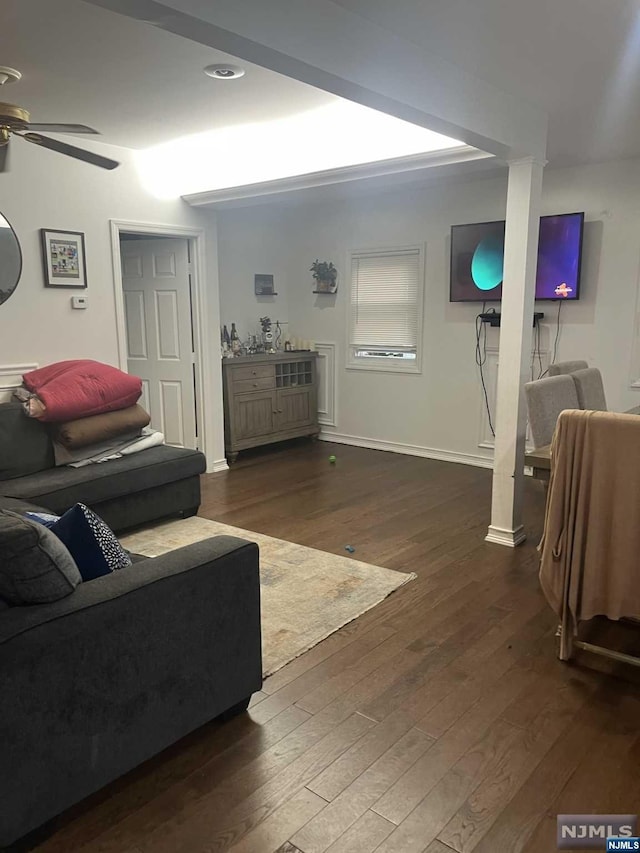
x: 14, y: 121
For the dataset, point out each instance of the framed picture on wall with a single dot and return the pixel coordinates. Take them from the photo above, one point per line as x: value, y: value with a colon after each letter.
x: 63, y: 258
x: 263, y: 285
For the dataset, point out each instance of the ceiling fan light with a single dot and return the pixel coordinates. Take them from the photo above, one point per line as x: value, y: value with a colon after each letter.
x: 9, y: 75
x: 221, y: 71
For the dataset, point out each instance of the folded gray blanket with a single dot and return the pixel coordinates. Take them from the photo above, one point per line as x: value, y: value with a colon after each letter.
x: 68, y: 456
x: 114, y: 449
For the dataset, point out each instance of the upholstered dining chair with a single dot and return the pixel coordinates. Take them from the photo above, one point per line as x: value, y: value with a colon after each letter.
x: 546, y: 398
x: 563, y: 367
x: 590, y: 389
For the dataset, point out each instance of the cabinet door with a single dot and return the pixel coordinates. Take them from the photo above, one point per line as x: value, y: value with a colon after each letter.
x: 253, y: 414
x: 296, y: 408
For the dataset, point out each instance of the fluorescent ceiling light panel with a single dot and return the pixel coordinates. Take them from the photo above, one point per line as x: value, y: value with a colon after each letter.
x: 340, y: 134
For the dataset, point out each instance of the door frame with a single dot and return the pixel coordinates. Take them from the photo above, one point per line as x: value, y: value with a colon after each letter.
x: 196, y: 238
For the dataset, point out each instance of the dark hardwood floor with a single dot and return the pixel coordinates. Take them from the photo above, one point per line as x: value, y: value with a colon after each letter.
x: 439, y: 721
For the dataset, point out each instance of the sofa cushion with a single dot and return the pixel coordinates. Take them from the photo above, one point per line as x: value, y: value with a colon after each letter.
x: 25, y: 447
x: 60, y: 488
x: 36, y: 567
x: 20, y: 506
x: 91, y: 543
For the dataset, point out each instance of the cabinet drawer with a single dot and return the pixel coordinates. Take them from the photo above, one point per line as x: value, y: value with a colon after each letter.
x: 258, y: 371
x: 261, y: 384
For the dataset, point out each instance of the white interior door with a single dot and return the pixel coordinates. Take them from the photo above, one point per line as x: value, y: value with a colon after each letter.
x: 157, y: 301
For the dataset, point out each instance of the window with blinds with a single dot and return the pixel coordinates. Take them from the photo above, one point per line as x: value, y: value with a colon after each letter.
x: 386, y: 308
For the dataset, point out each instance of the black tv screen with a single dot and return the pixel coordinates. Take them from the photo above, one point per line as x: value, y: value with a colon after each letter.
x: 477, y: 255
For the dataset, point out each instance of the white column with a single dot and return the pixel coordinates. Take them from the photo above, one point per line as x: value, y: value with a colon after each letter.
x: 518, y: 298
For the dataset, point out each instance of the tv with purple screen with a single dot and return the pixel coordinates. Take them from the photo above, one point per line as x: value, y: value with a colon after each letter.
x: 477, y: 253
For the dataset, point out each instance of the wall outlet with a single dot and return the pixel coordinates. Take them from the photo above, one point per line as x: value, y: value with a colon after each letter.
x: 79, y: 301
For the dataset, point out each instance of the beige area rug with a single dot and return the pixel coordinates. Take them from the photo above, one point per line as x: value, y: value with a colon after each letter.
x: 306, y: 594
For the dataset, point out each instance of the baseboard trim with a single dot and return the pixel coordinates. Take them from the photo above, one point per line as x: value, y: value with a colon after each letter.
x: 502, y: 536
x: 218, y: 465
x: 408, y: 449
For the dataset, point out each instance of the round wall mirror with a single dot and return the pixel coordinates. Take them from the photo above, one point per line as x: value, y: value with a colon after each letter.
x: 10, y: 260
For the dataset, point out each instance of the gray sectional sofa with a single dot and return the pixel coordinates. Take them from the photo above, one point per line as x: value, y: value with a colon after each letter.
x: 126, y: 492
x: 99, y: 681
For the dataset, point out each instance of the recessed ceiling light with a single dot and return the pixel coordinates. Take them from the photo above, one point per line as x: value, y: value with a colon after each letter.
x: 224, y: 72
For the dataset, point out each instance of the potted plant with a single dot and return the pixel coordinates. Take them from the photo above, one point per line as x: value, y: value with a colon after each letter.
x: 325, y: 275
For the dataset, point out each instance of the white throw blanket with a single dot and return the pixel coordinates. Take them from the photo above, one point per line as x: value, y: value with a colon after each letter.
x: 148, y: 438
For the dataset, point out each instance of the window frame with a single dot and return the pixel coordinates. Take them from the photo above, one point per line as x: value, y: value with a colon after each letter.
x: 387, y: 365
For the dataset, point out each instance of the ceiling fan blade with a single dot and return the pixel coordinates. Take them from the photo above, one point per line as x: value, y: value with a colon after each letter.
x: 4, y: 158
x: 70, y: 150
x: 60, y: 128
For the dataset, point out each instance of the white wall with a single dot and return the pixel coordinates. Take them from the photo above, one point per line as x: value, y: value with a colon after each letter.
x: 47, y: 190
x: 258, y: 246
x: 601, y: 327
x: 440, y: 412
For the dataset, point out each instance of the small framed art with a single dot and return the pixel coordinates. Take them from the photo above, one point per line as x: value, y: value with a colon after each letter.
x: 63, y: 258
x: 263, y: 285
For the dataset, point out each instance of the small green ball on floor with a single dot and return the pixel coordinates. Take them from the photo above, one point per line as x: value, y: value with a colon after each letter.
x: 332, y: 460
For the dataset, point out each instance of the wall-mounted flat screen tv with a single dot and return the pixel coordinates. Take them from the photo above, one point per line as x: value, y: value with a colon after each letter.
x: 477, y: 254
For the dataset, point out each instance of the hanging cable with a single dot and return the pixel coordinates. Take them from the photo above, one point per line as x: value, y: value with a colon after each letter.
x: 481, y: 357
x: 555, y: 344
x: 537, y: 353
x: 539, y: 346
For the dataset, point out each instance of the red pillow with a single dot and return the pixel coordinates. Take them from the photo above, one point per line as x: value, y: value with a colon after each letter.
x: 80, y: 388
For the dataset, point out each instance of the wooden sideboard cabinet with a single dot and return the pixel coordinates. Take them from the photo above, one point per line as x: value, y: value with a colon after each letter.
x: 269, y: 398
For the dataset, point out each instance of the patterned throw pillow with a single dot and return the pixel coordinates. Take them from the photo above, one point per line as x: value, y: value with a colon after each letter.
x: 91, y: 543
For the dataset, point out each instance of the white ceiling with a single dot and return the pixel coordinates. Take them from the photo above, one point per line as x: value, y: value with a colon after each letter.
x: 140, y: 86
x: 144, y: 88
x: 577, y: 59
x: 136, y: 84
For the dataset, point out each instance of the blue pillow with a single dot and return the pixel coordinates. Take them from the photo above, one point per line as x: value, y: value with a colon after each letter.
x: 91, y: 543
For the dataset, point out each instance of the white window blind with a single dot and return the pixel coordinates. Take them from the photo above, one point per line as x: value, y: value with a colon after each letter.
x: 385, y: 299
